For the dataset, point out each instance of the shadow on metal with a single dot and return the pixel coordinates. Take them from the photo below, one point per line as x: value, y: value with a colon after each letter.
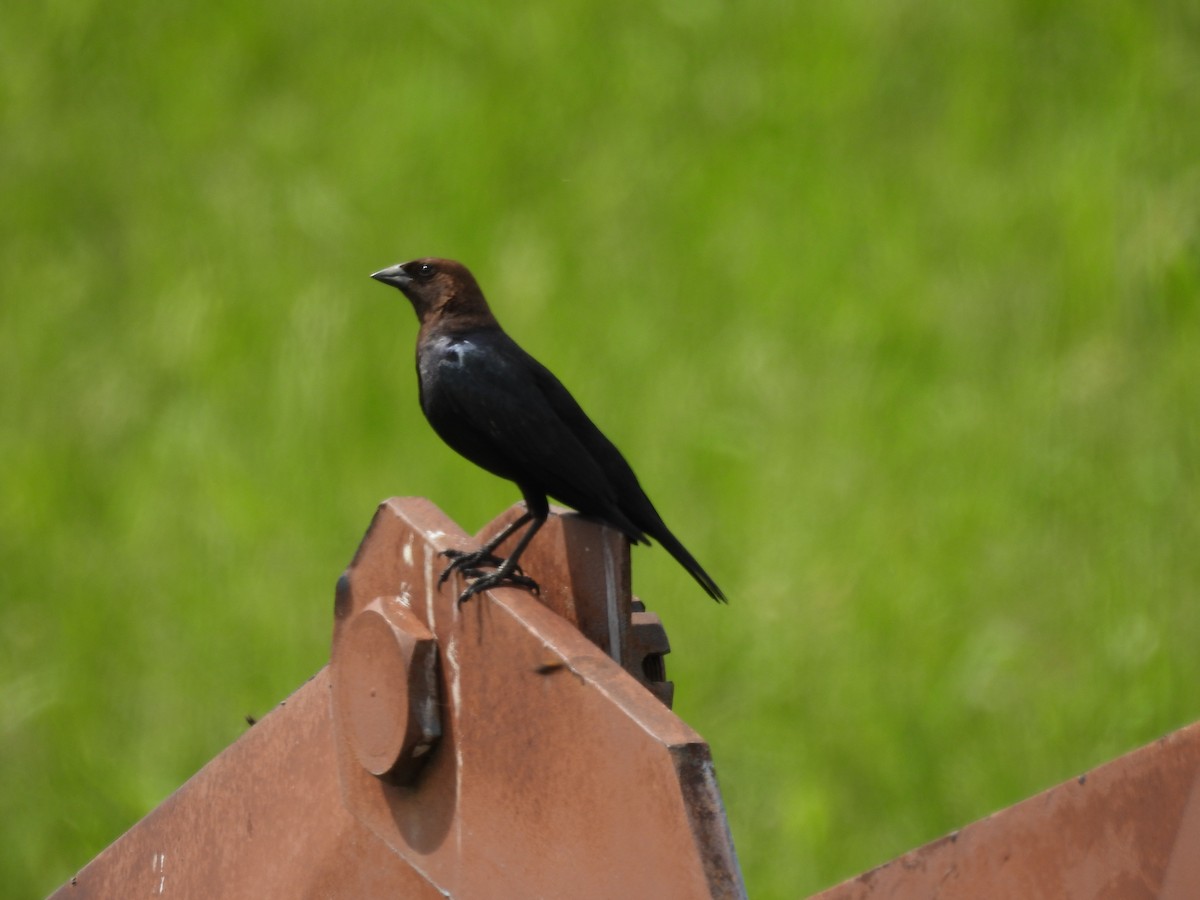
x: 482, y: 750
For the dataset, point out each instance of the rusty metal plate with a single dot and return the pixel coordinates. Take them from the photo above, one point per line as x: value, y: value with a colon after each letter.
x: 264, y: 819
x: 531, y: 763
x: 1129, y: 829
x: 557, y: 771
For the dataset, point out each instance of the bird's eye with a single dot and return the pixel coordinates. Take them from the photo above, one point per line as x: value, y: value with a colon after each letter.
x: 425, y: 270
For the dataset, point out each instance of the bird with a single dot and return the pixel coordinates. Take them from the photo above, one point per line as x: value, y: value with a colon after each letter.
x: 496, y: 405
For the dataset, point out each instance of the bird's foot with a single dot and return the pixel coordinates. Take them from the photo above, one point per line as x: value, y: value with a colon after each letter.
x: 469, y: 563
x: 486, y: 581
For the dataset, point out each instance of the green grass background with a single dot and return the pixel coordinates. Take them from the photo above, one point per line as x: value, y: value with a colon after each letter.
x: 892, y: 305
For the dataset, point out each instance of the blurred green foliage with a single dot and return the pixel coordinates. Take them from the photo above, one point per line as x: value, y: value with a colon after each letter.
x: 893, y: 306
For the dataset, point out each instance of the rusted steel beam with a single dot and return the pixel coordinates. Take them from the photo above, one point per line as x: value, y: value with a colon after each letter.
x: 265, y: 819
x: 1129, y: 829
x: 481, y: 750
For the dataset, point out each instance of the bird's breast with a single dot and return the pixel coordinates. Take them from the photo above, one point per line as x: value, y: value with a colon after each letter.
x: 446, y: 356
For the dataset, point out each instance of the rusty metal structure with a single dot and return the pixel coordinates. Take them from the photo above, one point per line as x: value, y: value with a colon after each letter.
x: 1128, y: 830
x: 512, y: 746
x: 523, y: 746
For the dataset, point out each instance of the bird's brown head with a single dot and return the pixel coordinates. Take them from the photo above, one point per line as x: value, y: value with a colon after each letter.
x: 441, y: 291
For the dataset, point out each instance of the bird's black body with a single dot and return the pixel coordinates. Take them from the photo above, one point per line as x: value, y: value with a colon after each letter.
x: 500, y: 408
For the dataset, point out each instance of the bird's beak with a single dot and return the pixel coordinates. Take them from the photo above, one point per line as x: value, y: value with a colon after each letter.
x: 393, y: 275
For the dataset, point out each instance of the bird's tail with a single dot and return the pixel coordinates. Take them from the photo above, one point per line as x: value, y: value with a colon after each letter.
x: 671, y: 544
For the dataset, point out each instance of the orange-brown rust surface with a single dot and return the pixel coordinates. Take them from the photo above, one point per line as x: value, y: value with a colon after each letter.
x: 1129, y: 829
x: 557, y: 773
x: 532, y: 765
x: 263, y: 819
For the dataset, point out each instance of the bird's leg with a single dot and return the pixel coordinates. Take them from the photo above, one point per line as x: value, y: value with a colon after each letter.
x: 508, y: 572
x: 468, y: 562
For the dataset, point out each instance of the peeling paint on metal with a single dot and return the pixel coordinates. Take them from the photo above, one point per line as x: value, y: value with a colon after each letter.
x: 611, y: 605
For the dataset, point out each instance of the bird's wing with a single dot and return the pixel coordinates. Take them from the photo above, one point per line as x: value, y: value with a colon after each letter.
x: 633, y: 504
x: 504, y: 411
x: 617, y: 471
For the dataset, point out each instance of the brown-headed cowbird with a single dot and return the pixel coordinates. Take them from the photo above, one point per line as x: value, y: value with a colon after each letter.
x: 503, y: 410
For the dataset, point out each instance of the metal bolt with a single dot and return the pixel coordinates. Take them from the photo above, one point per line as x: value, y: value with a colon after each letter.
x: 385, y: 689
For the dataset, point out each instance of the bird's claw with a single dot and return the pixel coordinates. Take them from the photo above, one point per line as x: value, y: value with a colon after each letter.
x: 468, y: 564
x: 485, y: 582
